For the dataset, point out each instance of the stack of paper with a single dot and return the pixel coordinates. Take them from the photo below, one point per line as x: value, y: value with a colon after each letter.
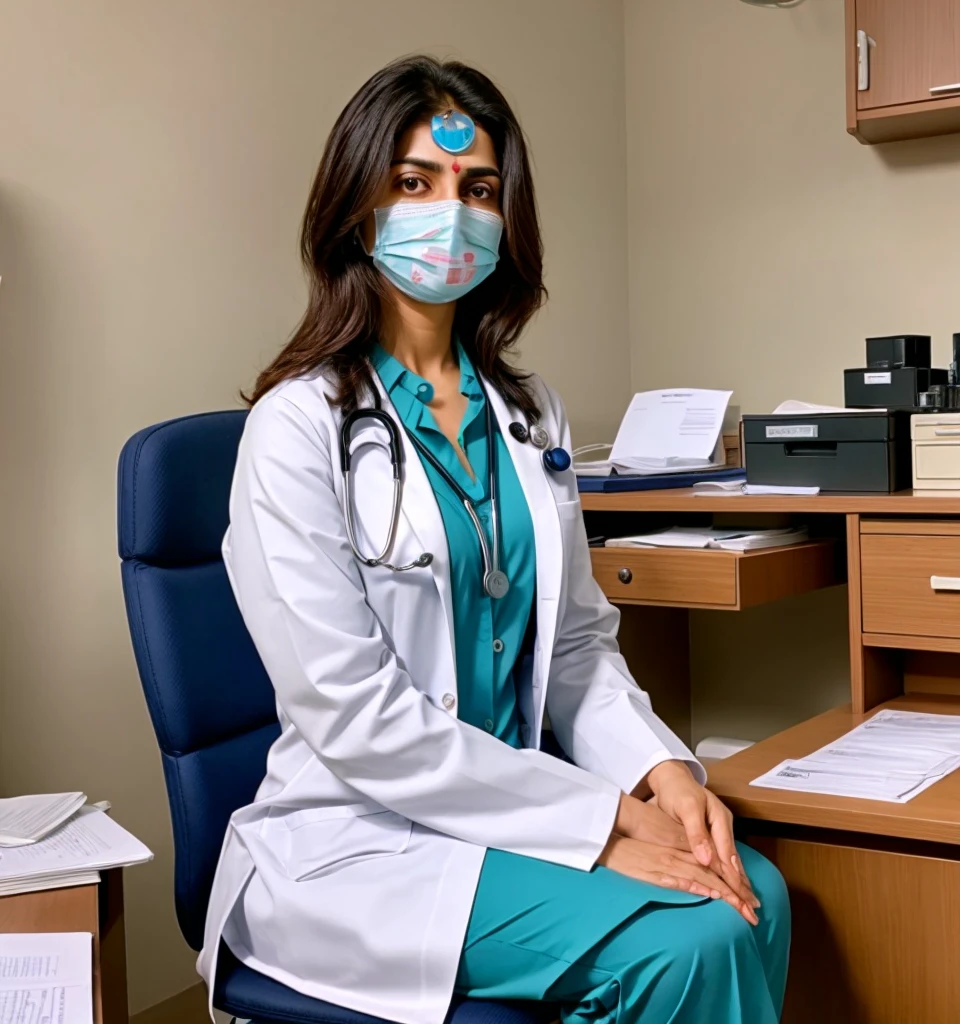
x: 72, y: 855
x: 711, y: 537
x: 893, y: 757
x: 714, y: 488
x: 673, y: 431
x: 25, y: 819
x: 792, y: 407
x: 46, y: 978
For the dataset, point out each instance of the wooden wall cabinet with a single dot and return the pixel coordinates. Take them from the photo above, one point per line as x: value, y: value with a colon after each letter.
x: 911, y: 49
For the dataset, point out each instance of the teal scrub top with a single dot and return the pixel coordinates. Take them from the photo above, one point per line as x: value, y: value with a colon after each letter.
x: 488, y: 633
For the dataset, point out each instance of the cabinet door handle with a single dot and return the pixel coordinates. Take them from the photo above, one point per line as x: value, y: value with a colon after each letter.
x: 944, y: 90
x: 863, y: 61
x: 945, y: 582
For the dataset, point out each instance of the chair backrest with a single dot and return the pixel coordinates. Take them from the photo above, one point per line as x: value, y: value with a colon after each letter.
x: 209, y: 697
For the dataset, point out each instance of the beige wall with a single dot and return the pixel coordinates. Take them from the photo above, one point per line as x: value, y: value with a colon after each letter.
x: 765, y: 245
x: 154, y: 160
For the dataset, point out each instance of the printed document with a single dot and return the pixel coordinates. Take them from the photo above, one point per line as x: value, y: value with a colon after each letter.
x: 25, y: 819
x: 713, y: 537
x: 46, y: 978
x: 677, y: 430
x: 89, y: 842
x: 893, y: 756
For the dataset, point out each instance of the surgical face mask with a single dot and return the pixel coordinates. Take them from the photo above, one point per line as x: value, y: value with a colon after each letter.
x: 436, y: 252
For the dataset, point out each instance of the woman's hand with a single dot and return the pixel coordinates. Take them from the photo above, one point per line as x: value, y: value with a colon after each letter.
x: 669, y: 869
x: 708, y: 825
x: 644, y: 821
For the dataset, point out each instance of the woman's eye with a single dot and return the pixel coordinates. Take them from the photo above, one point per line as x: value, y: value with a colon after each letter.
x: 481, y: 192
x: 410, y: 184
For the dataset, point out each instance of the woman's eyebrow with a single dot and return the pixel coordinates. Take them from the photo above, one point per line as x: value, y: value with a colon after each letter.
x: 427, y: 165
x: 482, y: 172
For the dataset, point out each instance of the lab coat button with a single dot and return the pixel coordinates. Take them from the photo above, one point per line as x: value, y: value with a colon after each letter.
x: 448, y: 700
x: 498, y: 645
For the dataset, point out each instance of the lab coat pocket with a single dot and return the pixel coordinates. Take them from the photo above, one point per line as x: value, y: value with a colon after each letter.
x: 569, y: 511
x: 315, y: 843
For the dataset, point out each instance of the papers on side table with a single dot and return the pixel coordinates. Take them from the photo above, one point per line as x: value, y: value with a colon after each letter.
x: 46, y: 978
x: 893, y: 756
x: 72, y: 855
x: 25, y: 819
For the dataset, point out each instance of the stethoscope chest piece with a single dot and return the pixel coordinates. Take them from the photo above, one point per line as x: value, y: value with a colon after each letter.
x: 496, y: 584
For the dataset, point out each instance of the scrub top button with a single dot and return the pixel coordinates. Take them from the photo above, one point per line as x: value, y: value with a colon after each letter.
x: 498, y: 645
x: 449, y: 700
x: 488, y: 725
x: 425, y: 392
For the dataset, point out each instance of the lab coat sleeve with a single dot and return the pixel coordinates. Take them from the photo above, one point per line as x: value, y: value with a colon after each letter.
x: 302, y: 598
x: 601, y: 717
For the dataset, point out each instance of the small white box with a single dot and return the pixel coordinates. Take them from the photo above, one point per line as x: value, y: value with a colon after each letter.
x: 936, y: 451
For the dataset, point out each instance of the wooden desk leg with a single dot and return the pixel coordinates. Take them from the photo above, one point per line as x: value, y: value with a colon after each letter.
x: 876, y: 674
x: 110, y: 953
x: 656, y: 645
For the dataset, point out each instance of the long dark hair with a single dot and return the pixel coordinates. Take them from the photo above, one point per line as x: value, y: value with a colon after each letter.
x: 344, y: 309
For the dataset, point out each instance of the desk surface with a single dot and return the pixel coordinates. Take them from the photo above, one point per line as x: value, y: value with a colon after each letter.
x: 931, y: 816
x: 684, y: 499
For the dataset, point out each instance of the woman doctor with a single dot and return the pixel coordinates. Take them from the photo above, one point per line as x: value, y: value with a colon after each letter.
x: 410, y: 838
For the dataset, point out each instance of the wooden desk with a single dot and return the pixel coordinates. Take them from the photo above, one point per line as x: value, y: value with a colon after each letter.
x: 97, y: 909
x: 875, y: 887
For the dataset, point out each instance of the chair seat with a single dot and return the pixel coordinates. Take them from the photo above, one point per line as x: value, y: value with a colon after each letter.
x: 247, y: 994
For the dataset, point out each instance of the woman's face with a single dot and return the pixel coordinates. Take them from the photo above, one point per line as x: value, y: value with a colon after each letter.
x: 422, y: 172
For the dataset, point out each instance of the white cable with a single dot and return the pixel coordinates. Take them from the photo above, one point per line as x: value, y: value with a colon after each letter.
x: 584, y: 449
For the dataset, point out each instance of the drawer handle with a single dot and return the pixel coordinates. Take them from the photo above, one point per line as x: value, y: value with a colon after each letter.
x: 625, y: 576
x: 945, y: 582
x: 946, y: 433
x: 943, y: 90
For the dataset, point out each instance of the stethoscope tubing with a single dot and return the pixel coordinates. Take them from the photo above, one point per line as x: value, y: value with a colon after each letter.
x: 495, y: 582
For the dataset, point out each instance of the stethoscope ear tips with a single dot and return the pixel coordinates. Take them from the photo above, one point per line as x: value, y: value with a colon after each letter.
x: 424, y: 560
x: 519, y: 432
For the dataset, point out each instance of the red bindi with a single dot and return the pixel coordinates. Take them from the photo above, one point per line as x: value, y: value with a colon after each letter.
x: 456, y: 167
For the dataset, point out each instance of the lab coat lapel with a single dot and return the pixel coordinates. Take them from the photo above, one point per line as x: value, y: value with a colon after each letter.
x: 422, y: 513
x: 548, y: 539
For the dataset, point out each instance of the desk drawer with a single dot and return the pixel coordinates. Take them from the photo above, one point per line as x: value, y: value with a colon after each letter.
x: 713, y: 579
x: 905, y: 581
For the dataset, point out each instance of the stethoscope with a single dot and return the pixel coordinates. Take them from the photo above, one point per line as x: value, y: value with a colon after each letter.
x: 495, y: 581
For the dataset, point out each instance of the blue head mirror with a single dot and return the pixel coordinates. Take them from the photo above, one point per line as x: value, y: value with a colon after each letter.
x: 453, y: 131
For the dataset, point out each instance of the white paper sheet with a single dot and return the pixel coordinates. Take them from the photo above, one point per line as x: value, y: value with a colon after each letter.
x: 46, y: 978
x: 793, y: 407
x: 893, y: 756
x: 25, y: 819
x: 89, y: 842
x: 712, y: 537
x: 669, y: 428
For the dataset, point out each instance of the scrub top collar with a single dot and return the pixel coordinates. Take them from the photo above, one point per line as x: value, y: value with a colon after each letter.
x: 394, y: 375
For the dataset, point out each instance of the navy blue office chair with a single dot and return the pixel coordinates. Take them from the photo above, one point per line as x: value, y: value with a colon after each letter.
x: 209, y: 697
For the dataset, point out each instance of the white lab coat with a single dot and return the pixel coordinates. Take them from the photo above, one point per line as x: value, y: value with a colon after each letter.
x: 351, y: 878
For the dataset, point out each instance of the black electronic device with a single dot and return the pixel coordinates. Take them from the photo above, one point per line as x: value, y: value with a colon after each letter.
x: 854, y: 451
x: 898, y: 388
x: 899, y: 350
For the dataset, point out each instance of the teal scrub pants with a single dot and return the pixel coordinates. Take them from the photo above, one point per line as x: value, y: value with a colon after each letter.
x: 612, y: 950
